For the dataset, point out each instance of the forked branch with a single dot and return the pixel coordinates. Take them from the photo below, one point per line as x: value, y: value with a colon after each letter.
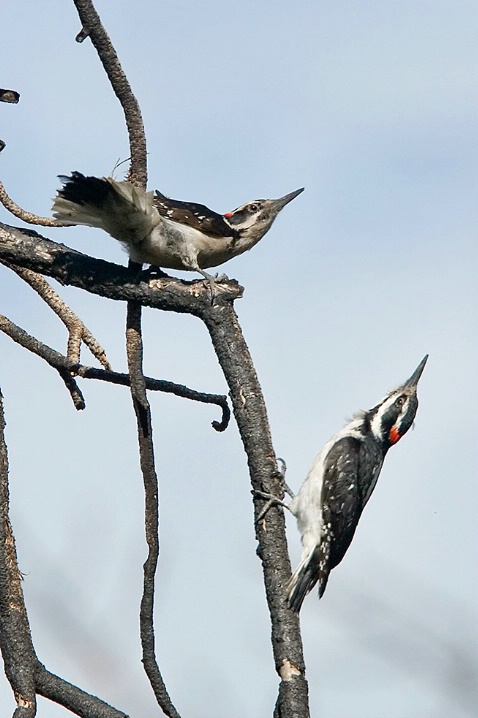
x: 77, y: 331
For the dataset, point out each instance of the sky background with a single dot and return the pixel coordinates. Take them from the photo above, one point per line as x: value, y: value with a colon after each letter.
x: 372, y: 107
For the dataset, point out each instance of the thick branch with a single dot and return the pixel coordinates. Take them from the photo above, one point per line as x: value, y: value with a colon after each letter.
x: 15, y: 638
x: 93, y: 27
x: 29, y: 249
x: 250, y: 412
x: 26, y: 674
x: 69, y: 696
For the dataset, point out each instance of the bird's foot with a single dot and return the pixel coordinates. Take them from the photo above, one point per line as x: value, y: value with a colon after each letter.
x: 273, y: 500
x: 280, y: 473
x: 213, y: 280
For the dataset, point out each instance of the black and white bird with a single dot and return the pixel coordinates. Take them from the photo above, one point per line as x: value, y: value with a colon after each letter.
x: 339, y: 484
x: 165, y: 232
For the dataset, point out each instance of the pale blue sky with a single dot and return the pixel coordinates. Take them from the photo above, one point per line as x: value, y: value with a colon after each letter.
x: 372, y: 107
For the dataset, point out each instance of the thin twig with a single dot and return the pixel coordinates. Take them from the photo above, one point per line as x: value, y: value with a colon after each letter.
x: 68, y: 368
x: 77, y: 331
x: 134, y: 346
x: 64, y: 367
x: 28, y: 217
x: 93, y: 27
x: 165, y: 386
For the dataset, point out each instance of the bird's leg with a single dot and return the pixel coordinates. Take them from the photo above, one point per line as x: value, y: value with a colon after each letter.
x: 211, y: 281
x: 280, y: 472
x: 275, y: 500
x: 152, y: 272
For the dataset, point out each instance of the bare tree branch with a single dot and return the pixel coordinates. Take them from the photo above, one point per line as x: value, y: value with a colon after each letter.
x: 93, y: 27
x: 22, y: 214
x: 68, y: 369
x: 145, y: 440
x: 26, y: 674
x: 15, y: 637
x: 77, y: 331
x: 192, y: 297
x: 165, y: 386
x: 27, y: 248
x: 71, y: 697
x: 251, y: 416
x: 56, y: 360
x: 11, y: 96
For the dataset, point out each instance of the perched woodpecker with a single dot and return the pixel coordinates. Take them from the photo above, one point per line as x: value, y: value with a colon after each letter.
x: 339, y: 484
x: 161, y: 231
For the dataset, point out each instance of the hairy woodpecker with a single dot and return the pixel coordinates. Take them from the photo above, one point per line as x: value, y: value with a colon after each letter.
x: 165, y: 232
x: 339, y: 484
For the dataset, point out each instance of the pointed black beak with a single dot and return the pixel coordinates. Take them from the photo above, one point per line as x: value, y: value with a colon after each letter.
x: 278, y: 204
x: 415, y: 377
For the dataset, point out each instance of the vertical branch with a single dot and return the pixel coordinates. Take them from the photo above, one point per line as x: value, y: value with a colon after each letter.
x: 250, y: 412
x: 134, y: 347
x: 15, y: 637
x: 93, y: 27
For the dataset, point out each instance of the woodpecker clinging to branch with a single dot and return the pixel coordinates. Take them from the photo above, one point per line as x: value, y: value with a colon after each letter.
x: 339, y: 484
x: 161, y: 231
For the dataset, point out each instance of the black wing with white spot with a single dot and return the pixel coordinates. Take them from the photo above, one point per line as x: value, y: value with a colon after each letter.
x: 341, y: 504
x: 193, y: 215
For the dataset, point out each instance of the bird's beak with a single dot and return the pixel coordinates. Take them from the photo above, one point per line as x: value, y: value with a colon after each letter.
x: 278, y: 204
x: 414, y: 379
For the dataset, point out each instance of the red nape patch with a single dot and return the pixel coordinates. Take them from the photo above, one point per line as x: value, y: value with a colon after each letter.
x: 228, y: 214
x: 394, y: 435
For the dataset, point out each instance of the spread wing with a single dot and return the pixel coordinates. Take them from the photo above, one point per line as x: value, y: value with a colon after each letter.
x: 194, y: 215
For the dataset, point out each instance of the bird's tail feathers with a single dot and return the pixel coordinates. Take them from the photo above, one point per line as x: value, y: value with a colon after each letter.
x: 303, y: 580
x: 123, y: 211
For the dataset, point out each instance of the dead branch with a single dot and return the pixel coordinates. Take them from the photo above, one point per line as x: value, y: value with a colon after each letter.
x: 192, y: 297
x: 10, y: 96
x: 251, y: 416
x: 134, y: 346
x: 16, y: 641
x: 68, y: 369
x: 93, y: 28
x: 26, y: 674
x: 77, y: 331
x: 56, y: 360
x: 165, y: 386
x: 27, y: 248
x: 22, y: 214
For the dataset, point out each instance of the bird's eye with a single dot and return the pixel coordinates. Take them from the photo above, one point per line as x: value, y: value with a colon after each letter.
x: 400, y: 401
x: 253, y: 207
